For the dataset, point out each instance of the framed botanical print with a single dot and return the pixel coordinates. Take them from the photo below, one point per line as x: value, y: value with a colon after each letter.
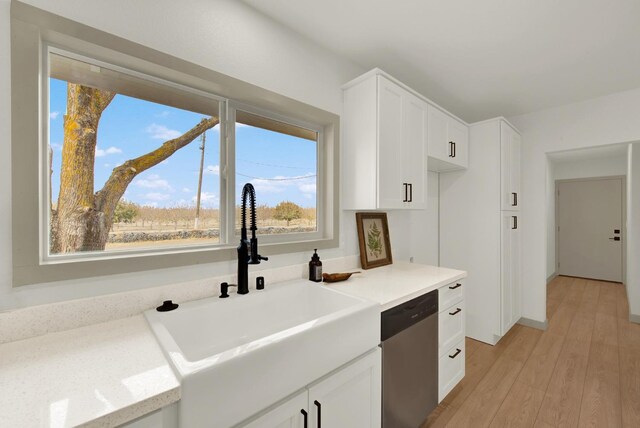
x: 373, y: 234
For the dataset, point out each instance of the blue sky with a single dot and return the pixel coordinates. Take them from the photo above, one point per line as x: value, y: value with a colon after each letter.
x: 131, y: 127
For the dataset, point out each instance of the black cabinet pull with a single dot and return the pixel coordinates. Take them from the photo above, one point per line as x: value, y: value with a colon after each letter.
x: 405, y: 192
x: 454, y: 149
x: 458, y: 310
x: 305, y: 416
x: 458, y: 285
x: 515, y: 199
x: 410, y: 192
x: 515, y: 222
x: 317, y: 403
x: 456, y: 353
x: 450, y: 149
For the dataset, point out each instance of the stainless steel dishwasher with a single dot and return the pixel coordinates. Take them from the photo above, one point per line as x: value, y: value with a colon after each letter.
x: 409, y: 335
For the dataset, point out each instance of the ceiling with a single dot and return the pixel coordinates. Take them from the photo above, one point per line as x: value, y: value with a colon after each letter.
x: 481, y: 59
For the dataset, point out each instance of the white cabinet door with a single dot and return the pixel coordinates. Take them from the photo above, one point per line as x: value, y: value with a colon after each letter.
x: 510, y: 142
x: 448, y: 141
x: 510, y: 275
x: 438, y: 146
x: 290, y: 414
x: 349, y: 398
x: 414, y: 150
x: 459, y: 136
x: 391, y: 188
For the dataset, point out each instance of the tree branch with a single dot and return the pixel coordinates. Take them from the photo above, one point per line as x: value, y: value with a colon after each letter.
x: 107, y: 198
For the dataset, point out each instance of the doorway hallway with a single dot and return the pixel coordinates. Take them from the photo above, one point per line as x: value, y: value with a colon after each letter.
x: 583, y: 371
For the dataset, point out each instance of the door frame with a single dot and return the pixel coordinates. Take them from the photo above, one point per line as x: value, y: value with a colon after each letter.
x: 623, y: 179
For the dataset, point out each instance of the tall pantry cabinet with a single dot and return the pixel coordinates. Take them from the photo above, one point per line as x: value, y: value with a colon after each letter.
x: 480, y: 228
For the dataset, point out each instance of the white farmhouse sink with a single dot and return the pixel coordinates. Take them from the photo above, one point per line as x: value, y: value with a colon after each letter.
x: 237, y: 356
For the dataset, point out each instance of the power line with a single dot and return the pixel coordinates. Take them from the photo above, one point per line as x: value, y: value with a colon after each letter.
x: 302, y: 177
x: 273, y: 165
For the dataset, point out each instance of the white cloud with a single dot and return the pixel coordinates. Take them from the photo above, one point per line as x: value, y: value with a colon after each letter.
x: 307, y: 188
x: 161, y: 132
x: 212, y: 170
x: 186, y: 190
x: 153, y: 181
x: 54, y: 115
x: 207, y: 199
x: 109, y: 151
x: 163, y: 114
x: 156, y: 196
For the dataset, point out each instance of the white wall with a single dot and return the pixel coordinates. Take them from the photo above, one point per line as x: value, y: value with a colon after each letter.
x: 226, y: 36
x: 601, y: 121
x: 633, y: 231
x: 571, y: 169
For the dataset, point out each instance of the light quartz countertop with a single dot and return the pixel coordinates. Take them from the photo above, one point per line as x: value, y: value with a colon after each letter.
x: 397, y: 283
x: 100, y: 375
x: 107, y: 374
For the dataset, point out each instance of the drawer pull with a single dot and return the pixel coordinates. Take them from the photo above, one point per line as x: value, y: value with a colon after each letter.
x: 453, y: 287
x: 456, y: 353
x: 458, y: 310
x: 305, y: 415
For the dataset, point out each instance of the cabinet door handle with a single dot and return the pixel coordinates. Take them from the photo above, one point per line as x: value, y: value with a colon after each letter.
x: 515, y: 222
x: 319, y: 406
x: 515, y: 199
x: 405, y: 192
x: 457, y: 311
x: 456, y: 353
x: 453, y: 287
x: 410, y: 192
x: 305, y: 417
x: 450, y: 149
x: 454, y: 149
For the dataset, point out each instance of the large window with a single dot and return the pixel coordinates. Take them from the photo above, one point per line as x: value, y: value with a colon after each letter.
x: 135, y: 164
x: 126, y: 159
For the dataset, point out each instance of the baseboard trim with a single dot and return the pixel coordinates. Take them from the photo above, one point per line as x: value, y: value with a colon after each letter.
x: 552, y: 277
x: 540, y: 325
x: 634, y: 318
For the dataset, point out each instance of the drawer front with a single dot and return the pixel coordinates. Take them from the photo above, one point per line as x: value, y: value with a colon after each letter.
x: 450, y: 369
x: 451, y: 326
x: 450, y: 294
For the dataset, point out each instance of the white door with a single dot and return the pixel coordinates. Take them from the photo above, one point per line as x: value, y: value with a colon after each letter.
x: 391, y: 190
x: 290, y: 414
x: 589, y: 220
x: 351, y: 397
x: 414, y: 150
x: 510, y: 310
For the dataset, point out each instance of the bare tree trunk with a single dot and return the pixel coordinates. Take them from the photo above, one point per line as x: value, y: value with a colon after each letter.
x: 83, y: 219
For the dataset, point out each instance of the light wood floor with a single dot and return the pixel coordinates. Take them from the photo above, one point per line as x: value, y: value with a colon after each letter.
x: 584, y: 371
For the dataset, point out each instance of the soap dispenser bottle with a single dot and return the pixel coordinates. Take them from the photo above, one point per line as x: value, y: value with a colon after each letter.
x: 315, y: 267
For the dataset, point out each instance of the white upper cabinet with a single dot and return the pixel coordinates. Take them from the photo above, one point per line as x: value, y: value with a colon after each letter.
x: 510, y: 142
x: 448, y: 142
x: 384, y: 145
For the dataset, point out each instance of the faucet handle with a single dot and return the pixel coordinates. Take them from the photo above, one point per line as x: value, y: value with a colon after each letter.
x: 263, y: 258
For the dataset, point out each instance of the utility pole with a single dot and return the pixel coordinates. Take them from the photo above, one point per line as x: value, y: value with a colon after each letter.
x: 202, y: 141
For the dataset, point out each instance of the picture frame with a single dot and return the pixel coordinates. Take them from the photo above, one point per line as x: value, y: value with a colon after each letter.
x: 373, y: 236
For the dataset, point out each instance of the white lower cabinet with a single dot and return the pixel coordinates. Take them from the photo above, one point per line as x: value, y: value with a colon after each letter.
x: 451, y: 337
x: 450, y: 369
x: 349, y: 397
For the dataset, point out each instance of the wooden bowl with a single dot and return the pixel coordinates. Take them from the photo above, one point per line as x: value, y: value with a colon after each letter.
x: 337, y: 277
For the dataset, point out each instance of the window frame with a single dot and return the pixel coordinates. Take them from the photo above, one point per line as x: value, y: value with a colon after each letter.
x: 44, y: 191
x: 320, y: 162
x: 32, y: 32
